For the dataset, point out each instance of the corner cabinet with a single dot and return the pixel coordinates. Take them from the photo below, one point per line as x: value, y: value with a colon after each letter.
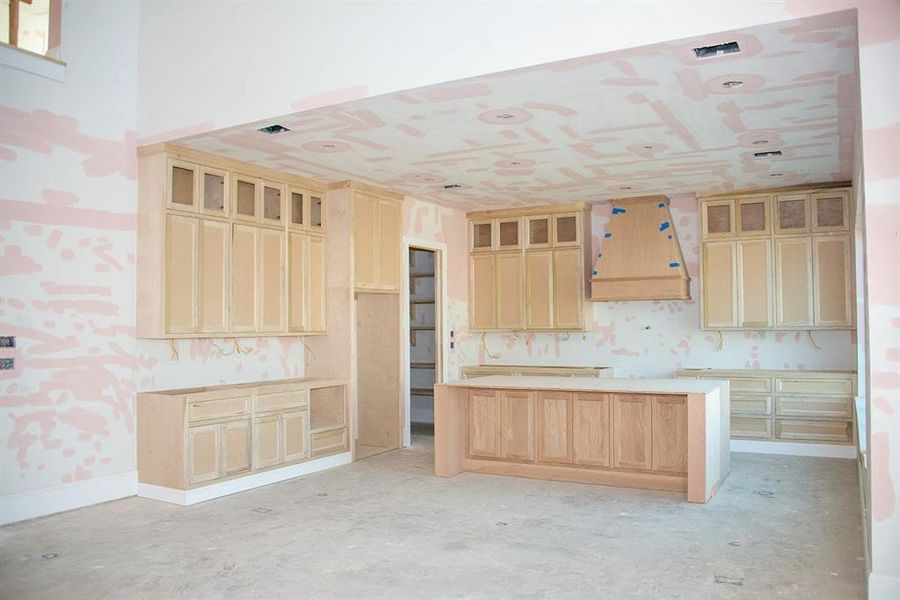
x: 377, y: 232
x: 778, y: 261
x: 227, y: 249
x: 528, y: 269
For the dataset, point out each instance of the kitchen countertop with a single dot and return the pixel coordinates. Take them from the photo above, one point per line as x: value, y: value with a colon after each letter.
x: 592, y: 384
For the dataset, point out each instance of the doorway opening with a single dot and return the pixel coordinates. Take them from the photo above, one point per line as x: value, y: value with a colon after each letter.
x: 425, y: 340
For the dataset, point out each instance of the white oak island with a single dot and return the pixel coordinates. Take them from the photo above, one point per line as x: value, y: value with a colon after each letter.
x: 663, y: 434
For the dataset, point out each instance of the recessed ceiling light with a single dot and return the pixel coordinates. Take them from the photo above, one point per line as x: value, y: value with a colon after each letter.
x: 717, y: 50
x: 775, y: 174
x: 735, y: 83
x: 326, y: 146
x: 273, y: 129
x: 506, y: 116
x: 514, y: 163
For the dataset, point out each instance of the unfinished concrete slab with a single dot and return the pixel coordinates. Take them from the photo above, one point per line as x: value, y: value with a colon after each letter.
x: 781, y: 527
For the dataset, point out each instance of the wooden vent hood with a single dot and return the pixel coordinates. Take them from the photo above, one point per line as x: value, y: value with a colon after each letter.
x: 640, y: 258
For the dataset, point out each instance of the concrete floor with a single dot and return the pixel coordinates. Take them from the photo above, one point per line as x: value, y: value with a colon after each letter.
x: 781, y: 527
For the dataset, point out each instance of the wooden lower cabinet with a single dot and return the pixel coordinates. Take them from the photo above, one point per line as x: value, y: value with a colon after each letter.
x: 591, y: 441
x: 669, y: 433
x: 517, y: 425
x: 204, y: 442
x: 484, y: 424
x: 555, y: 427
x: 267, y: 446
x: 632, y: 440
x: 236, y: 447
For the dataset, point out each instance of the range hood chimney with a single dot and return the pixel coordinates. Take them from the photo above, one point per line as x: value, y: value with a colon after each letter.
x: 640, y: 258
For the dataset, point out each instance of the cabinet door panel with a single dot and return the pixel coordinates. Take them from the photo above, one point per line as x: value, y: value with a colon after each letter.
x: 719, y: 285
x: 316, y: 285
x: 271, y: 285
x: 718, y: 219
x: 753, y: 217
x: 244, y: 282
x: 481, y: 236
x: 791, y: 214
x: 567, y: 230
x: 831, y: 281
x: 631, y: 431
x: 215, y: 247
x: 539, y: 289
x: 591, y: 430
x: 669, y: 425
x: 297, y: 288
x: 182, y: 244
x: 793, y: 282
x: 754, y: 283
x: 389, y: 224
x: 295, y: 433
x: 246, y: 197
x: 365, y: 228
x: 568, y: 289
x: 483, y: 291
x: 510, y: 309
x: 516, y: 425
x: 236, y: 442
x: 182, y: 184
x: 484, y: 424
x: 554, y: 427
x: 267, y: 442
x: 830, y: 211
x: 203, y: 453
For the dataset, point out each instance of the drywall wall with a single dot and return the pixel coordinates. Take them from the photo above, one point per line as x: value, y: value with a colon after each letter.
x: 656, y: 338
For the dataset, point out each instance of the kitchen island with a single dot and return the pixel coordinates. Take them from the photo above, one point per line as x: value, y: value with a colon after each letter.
x: 662, y: 434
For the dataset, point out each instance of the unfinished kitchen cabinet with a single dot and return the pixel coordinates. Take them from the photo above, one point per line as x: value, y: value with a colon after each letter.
x: 527, y: 269
x: 306, y: 283
x: 213, y: 250
x: 377, y: 227
x: 591, y: 429
x: 483, y: 423
x: 669, y: 434
x: 718, y: 219
x: 795, y: 274
x: 516, y: 425
x: 632, y: 432
x: 555, y: 427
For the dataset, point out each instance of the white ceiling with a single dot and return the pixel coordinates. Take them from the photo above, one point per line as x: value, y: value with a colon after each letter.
x: 639, y: 121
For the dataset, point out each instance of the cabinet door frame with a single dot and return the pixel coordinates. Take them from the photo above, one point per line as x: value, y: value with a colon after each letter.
x: 779, y: 287
x: 704, y: 286
x: 474, y: 292
x: 767, y: 204
x: 260, y: 275
x: 366, y: 234
x: 518, y: 293
x: 704, y: 209
x: 776, y: 222
x: 283, y: 419
x: 388, y: 251
x: 216, y: 428
x: 605, y: 430
x: 493, y: 429
x: 304, y: 208
x: 316, y: 322
x: 172, y: 260
x: 247, y: 423
x: 171, y: 163
x: 492, y: 223
x: 618, y: 434
x: 519, y: 234
x: 225, y: 213
x: 529, y: 320
x: 558, y: 298
x: 282, y: 212
x: 320, y: 196
x: 254, y: 280
x: 553, y: 230
x: 814, y: 213
x: 236, y: 180
x: 849, y: 291
x: 529, y: 245
x: 543, y: 456
x: 226, y: 278
x: 510, y: 402
x: 739, y: 282
x: 257, y: 421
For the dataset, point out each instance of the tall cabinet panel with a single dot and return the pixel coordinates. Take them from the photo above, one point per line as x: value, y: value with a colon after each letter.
x: 568, y: 288
x: 754, y: 262
x: 719, y: 285
x: 510, y: 305
x: 317, y: 290
x: 539, y: 289
x: 482, y: 282
x: 365, y: 234
x: 181, y: 273
x: 377, y: 232
x: 793, y: 282
x: 832, y: 281
x: 297, y: 287
x: 244, y: 279
x: 271, y: 282
x: 215, y: 249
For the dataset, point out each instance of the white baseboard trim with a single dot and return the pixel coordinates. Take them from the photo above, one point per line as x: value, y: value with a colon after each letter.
x: 795, y: 448
x: 240, y: 484
x: 47, y: 501
x: 883, y: 587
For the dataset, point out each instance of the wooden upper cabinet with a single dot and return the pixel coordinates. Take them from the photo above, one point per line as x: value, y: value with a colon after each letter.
x: 753, y: 216
x: 316, y: 212
x: 214, y: 192
x: 509, y: 234
x: 182, y: 285
x: 791, y: 214
x: 377, y: 226
x: 754, y: 264
x: 793, y: 282
x: 272, y: 203
x: 830, y: 211
x: 832, y: 281
x: 317, y: 291
x: 719, y: 285
x: 510, y: 302
x: 298, y: 207
x: 246, y: 192
x: 215, y: 252
x: 482, y: 291
x: 389, y: 226
x: 567, y: 229
x: 539, y: 289
x: 481, y: 236
x: 182, y: 185
x: 718, y: 219
x: 538, y: 228
x: 298, y: 289
x: 271, y: 280
x: 244, y: 279
x: 568, y: 289
x: 365, y: 239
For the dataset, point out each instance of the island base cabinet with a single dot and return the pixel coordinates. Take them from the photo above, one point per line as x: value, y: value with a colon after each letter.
x: 555, y: 431
x: 590, y: 430
x: 631, y: 431
x: 517, y: 425
x: 484, y: 424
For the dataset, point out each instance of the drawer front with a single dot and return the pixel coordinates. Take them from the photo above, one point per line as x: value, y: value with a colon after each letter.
x: 282, y: 401
x: 751, y: 405
x: 813, y: 406
x: 218, y: 409
x: 818, y: 431
x: 744, y: 385
x: 328, y: 442
x: 833, y: 387
x: 751, y: 428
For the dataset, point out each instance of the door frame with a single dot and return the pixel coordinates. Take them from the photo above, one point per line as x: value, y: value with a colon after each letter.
x: 440, y: 318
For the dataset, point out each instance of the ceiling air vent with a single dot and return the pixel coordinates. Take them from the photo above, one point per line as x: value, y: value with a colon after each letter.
x: 767, y: 154
x: 452, y: 186
x: 717, y: 50
x: 273, y: 129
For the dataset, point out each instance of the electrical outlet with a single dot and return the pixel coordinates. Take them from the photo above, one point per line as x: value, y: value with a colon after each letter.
x: 452, y: 345
x: 7, y: 364
x: 7, y: 341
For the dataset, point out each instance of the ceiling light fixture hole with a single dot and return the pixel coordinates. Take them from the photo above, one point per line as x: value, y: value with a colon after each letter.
x: 734, y: 83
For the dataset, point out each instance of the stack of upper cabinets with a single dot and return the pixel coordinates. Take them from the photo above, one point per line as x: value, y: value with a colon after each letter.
x: 377, y: 229
x: 227, y: 249
x: 778, y: 261
x: 528, y: 268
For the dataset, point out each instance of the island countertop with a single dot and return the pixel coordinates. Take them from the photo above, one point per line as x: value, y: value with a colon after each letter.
x: 595, y: 384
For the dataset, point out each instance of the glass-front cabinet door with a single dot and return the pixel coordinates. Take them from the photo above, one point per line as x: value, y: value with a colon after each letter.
x: 246, y: 191
x: 753, y: 217
x: 566, y: 229
x: 214, y: 191
x: 316, y: 212
x: 791, y: 214
x: 718, y: 219
x: 181, y: 185
x: 272, y: 203
x: 538, y: 231
x: 482, y: 235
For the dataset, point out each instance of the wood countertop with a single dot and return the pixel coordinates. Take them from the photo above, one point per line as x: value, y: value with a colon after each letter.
x: 592, y: 384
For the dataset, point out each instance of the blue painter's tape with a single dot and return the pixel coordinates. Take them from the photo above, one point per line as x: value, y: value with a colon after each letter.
x: 661, y: 205
x: 664, y: 225
x: 618, y: 211
x: 674, y: 265
x: 607, y: 235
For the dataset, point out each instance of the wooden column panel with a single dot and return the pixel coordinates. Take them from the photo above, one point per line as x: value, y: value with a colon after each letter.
x: 482, y: 291
x: 591, y: 433
x: 244, y: 280
x: 182, y: 258
x: 539, y: 289
x: 517, y: 425
x: 631, y: 431
x: 215, y: 249
x: 669, y: 426
x: 484, y: 424
x: 510, y: 305
x: 568, y: 289
x: 555, y: 427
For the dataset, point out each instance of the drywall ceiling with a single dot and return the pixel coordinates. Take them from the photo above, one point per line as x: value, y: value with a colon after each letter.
x: 648, y: 120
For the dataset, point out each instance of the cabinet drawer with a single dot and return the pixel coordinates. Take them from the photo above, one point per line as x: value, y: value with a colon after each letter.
x: 751, y: 427
x: 813, y: 406
x: 217, y: 409
x: 833, y: 387
x: 282, y: 401
x: 819, y: 431
x: 746, y: 385
x: 751, y: 405
x: 327, y: 442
